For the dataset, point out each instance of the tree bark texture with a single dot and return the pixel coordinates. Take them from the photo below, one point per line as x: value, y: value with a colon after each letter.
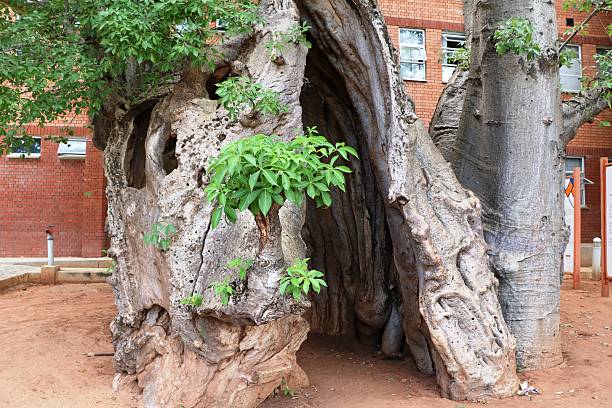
x: 402, y: 250
x: 508, y: 151
x: 444, y: 130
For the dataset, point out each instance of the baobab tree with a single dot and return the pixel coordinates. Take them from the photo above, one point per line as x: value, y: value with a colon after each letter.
x: 204, y: 312
x: 504, y: 128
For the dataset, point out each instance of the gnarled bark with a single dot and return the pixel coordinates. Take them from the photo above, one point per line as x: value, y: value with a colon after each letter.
x: 404, y: 243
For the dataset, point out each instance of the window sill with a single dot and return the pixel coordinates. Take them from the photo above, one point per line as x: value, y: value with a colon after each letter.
x: 414, y: 80
x: 23, y: 156
x: 72, y: 157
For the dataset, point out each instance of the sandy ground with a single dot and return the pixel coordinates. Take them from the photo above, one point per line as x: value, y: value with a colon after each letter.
x: 46, y: 333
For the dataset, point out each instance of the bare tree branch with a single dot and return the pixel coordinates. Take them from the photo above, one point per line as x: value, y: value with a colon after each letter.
x: 445, y: 121
x: 580, y: 109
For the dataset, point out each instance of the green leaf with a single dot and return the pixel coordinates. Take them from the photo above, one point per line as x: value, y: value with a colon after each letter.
x: 316, y: 286
x: 248, y: 199
x: 327, y: 200
x: 270, y: 177
x: 250, y: 159
x: 216, y: 217
x: 286, y: 182
x: 311, y: 191
x: 230, y: 213
x: 253, y: 179
x: 265, y: 202
x: 278, y: 199
x: 351, y: 151
x: 321, y: 186
x: 283, y: 286
x: 297, y: 295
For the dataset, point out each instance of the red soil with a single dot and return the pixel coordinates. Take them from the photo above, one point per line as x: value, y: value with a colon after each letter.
x: 46, y: 333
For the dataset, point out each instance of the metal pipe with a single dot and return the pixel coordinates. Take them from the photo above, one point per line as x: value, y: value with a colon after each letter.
x: 50, y: 256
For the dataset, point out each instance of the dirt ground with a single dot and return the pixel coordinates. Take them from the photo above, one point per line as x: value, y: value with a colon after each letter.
x: 46, y: 333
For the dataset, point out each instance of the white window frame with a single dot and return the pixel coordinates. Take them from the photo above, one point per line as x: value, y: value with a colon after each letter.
x: 445, y: 51
x: 579, y: 62
x: 17, y: 155
x: 583, y: 180
x: 64, y: 154
x: 414, y: 61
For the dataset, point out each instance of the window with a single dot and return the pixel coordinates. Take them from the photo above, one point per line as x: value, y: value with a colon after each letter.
x: 570, y: 77
x: 572, y: 162
x: 412, y: 54
x: 25, y: 151
x: 451, y: 42
x: 220, y: 25
x: 72, y: 149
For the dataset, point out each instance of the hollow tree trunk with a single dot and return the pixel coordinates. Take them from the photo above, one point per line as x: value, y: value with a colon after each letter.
x: 508, y: 152
x: 413, y: 253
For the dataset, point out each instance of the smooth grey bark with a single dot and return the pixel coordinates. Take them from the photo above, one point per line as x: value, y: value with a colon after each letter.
x: 445, y: 121
x: 581, y: 109
x: 490, y: 151
x: 508, y: 152
x: 405, y: 255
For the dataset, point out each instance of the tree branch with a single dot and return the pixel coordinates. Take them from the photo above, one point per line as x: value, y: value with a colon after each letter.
x: 580, y: 109
x: 580, y: 27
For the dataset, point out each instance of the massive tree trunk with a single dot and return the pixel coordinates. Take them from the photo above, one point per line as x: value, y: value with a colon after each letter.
x: 508, y: 151
x: 402, y: 250
x: 505, y: 147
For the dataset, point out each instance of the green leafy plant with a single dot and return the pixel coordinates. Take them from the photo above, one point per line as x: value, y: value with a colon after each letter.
x: 224, y: 290
x: 194, y: 300
x: 59, y: 59
x: 516, y: 35
x: 239, y: 93
x: 287, y: 391
x: 604, y: 76
x: 584, y: 6
x: 567, y: 57
x: 113, y: 267
x: 461, y: 57
x: 601, y: 81
x: 299, y: 279
x: 160, y: 235
x: 295, y: 35
x: 243, y: 266
x: 255, y: 172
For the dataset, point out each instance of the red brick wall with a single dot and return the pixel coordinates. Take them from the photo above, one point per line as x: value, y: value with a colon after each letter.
x: 436, y: 16
x: 35, y: 193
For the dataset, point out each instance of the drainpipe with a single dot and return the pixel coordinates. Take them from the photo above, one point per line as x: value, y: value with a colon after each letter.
x: 50, y: 257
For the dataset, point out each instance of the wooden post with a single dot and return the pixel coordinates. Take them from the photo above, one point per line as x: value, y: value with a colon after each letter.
x: 577, y: 227
x: 605, y: 291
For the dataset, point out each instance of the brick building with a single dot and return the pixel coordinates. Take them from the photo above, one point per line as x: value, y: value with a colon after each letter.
x: 59, y: 185
x: 62, y: 187
x: 430, y: 30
